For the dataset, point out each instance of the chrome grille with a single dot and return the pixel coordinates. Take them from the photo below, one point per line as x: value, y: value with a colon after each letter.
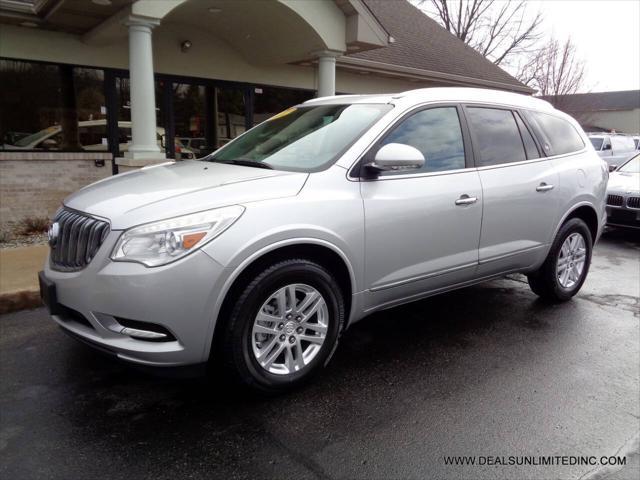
x: 633, y: 202
x: 79, y: 238
x: 615, y: 200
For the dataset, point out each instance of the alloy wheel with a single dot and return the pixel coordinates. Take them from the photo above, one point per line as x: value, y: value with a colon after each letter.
x: 289, y: 329
x: 571, y: 260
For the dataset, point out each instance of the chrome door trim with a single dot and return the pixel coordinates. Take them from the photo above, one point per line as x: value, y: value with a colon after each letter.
x: 431, y: 293
x: 421, y: 277
x: 511, y: 254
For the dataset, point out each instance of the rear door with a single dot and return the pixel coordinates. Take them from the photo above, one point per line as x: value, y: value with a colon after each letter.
x: 519, y: 188
x: 422, y: 227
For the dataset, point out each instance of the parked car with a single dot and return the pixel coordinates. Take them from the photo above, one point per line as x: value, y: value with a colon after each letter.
x: 91, y: 134
x: 197, y: 145
x: 623, y: 195
x: 261, y: 254
x: 12, y: 137
x: 615, y: 149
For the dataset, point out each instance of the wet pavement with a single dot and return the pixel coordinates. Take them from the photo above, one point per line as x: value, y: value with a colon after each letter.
x: 485, y: 371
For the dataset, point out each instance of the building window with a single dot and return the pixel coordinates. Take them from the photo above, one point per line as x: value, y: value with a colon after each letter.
x: 269, y: 100
x: 51, y: 107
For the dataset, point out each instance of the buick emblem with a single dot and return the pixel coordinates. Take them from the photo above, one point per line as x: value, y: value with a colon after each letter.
x: 52, y: 234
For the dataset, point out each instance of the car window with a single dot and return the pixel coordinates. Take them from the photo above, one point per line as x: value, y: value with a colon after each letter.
x: 527, y: 138
x: 307, y: 138
x: 632, y: 166
x: 564, y: 138
x: 436, y: 132
x: 596, y: 142
x: 496, y: 135
x: 622, y: 143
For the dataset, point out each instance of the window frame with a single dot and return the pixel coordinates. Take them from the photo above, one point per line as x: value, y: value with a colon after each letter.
x: 356, y: 172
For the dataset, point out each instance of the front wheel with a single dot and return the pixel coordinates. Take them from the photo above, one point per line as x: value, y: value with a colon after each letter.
x: 284, y: 326
x: 565, y: 269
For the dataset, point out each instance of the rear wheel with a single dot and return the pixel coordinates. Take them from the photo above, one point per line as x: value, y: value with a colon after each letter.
x: 284, y: 326
x: 565, y: 269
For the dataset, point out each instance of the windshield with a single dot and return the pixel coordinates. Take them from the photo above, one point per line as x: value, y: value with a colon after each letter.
x: 632, y: 166
x: 301, y: 139
x: 596, y: 142
x: 36, y: 137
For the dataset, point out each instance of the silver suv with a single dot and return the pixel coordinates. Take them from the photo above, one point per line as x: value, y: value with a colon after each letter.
x: 258, y: 256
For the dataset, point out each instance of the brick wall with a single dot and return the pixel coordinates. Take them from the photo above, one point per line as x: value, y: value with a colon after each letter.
x: 33, y: 184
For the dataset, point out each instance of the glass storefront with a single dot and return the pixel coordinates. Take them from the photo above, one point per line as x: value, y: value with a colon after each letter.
x: 66, y: 108
x: 51, y: 107
x: 271, y: 100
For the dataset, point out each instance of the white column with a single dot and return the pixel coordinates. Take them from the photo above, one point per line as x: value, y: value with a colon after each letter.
x: 327, y: 72
x: 144, y: 143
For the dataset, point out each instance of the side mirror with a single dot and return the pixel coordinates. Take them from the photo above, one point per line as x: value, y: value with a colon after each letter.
x: 612, y: 167
x: 162, y: 140
x: 395, y: 157
x: 606, y: 147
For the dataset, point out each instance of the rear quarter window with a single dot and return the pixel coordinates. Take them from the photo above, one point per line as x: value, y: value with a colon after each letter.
x: 562, y: 136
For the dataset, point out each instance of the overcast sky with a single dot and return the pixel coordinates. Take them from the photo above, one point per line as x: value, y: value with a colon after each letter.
x: 607, y: 35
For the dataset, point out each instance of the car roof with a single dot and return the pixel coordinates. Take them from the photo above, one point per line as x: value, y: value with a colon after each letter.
x: 446, y: 94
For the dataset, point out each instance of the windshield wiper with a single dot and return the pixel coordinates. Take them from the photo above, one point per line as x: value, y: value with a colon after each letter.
x: 247, y: 163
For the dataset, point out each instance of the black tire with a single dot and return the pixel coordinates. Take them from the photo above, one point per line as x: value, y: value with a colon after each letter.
x: 238, y: 358
x: 544, y: 281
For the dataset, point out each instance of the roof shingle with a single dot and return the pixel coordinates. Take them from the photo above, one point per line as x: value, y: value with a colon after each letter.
x: 420, y: 42
x: 597, y: 101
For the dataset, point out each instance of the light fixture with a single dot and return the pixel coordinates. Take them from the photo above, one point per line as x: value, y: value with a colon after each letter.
x: 103, y: 3
x: 29, y: 24
x: 215, y: 10
x: 185, y: 46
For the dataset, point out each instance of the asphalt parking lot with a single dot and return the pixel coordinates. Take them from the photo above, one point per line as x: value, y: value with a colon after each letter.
x: 484, y: 371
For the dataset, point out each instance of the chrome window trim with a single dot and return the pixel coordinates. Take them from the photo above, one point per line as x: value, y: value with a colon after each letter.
x: 356, y: 178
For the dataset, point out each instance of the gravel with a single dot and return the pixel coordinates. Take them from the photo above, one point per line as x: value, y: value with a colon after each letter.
x: 25, y: 241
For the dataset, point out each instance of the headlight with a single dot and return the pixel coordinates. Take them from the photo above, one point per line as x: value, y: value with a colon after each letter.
x: 163, y: 242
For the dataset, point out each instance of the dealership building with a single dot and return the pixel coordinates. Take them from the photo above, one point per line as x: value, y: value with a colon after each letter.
x: 93, y: 87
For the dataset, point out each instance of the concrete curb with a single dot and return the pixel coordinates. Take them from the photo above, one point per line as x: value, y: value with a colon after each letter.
x: 21, y: 300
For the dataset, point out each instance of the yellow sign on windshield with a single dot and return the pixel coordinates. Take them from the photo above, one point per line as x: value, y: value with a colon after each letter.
x: 284, y: 113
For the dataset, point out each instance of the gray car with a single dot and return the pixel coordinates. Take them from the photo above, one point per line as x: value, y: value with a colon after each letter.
x: 257, y: 257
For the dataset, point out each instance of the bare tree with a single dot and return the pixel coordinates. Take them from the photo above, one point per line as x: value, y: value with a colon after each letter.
x: 499, y: 30
x: 554, y: 70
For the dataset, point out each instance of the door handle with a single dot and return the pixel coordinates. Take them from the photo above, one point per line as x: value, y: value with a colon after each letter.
x: 466, y: 200
x: 544, y: 187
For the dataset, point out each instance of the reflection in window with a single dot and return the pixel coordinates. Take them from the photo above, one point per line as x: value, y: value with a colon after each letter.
x: 30, y: 105
x: 303, y: 139
x: 51, y: 107
x: 496, y: 135
x: 269, y: 100
x: 561, y: 134
x: 231, y: 114
x: 436, y: 133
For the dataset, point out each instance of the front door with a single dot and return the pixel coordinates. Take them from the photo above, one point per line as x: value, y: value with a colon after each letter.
x: 422, y: 227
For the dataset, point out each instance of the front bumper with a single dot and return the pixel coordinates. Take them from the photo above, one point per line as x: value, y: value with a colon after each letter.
x: 179, y: 297
x: 623, y: 217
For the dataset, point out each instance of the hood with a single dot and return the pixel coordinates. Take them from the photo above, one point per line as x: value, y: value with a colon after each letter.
x: 170, y: 190
x: 623, y: 182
